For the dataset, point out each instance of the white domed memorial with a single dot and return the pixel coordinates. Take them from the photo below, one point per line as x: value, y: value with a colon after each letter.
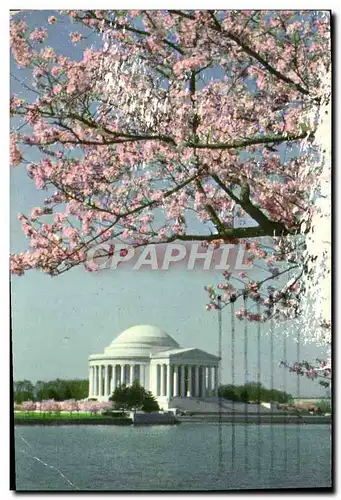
x: 152, y: 357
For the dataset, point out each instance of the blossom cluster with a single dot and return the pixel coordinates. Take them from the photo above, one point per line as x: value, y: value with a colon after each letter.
x: 276, y: 296
x: 320, y: 370
x: 72, y: 405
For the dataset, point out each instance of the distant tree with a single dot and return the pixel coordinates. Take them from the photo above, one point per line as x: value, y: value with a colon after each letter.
x: 79, y: 388
x: 61, y: 389
x: 253, y: 392
x: 324, y: 406
x: 134, y: 397
x: 244, y: 395
x: 280, y: 396
x: 40, y: 390
x: 228, y: 392
x: 23, y: 391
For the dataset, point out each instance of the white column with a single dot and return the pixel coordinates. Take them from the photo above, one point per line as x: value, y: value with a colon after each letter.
x: 158, y: 380
x: 97, y: 376
x: 122, y: 374
x: 197, y: 381
x: 209, y: 381
x: 98, y: 379
x: 142, y: 375
x: 169, y: 381
x: 203, y: 381
x: 100, y: 385
x: 131, y: 376
x: 176, y: 380
x: 95, y: 381
x: 182, y: 381
x: 189, y: 388
x: 162, y: 376
x: 90, y: 381
x: 106, y: 380
x: 113, y: 378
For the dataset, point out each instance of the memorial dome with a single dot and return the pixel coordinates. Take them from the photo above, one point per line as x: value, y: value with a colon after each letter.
x: 141, y: 340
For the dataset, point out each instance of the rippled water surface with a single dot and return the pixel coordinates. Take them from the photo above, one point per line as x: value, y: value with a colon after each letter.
x: 186, y: 457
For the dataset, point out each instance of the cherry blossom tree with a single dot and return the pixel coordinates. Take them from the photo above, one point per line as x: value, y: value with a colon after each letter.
x: 106, y: 405
x: 94, y: 407
x: 84, y: 405
x: 28, y: 406
x: 69, y: 405
x: 48, y: 406
x: 176, y: 115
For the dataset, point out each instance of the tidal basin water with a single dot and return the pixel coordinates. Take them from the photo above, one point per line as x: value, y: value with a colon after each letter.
x: 186, y: 457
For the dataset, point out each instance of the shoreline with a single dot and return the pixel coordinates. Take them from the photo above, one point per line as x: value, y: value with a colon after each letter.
x: 227, y: 419
x: 72, y: 421
x: 255, y: 419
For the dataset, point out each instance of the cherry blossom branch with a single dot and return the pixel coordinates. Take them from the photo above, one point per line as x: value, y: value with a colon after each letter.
x: 270, y: 227
x: 274, y: 139
x: 257, y: 56
x: 127, y: 27
x: 319, y: 370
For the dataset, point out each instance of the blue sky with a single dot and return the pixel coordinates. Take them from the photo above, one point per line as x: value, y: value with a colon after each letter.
x: 93, y: 308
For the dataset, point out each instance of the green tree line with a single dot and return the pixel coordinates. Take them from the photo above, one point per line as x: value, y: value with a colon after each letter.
x: 253, y: 393
x: 59, y: 390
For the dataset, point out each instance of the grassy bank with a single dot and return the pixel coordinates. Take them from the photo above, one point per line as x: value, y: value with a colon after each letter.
x: 57, y: 415
x: 72, y: 421
x: 81, y: 418
x: 68, y: 419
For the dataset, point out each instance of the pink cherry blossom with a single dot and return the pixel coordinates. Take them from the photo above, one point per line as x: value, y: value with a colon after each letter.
x: 38, y: 35
x: 57, y: 89
x: 28, y: 406
x: 48, y: 53
x: 22, y: 53
x: 311, y: 371
x: 76, y: 37
x: 15, y: 154
x: 55, y: 71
